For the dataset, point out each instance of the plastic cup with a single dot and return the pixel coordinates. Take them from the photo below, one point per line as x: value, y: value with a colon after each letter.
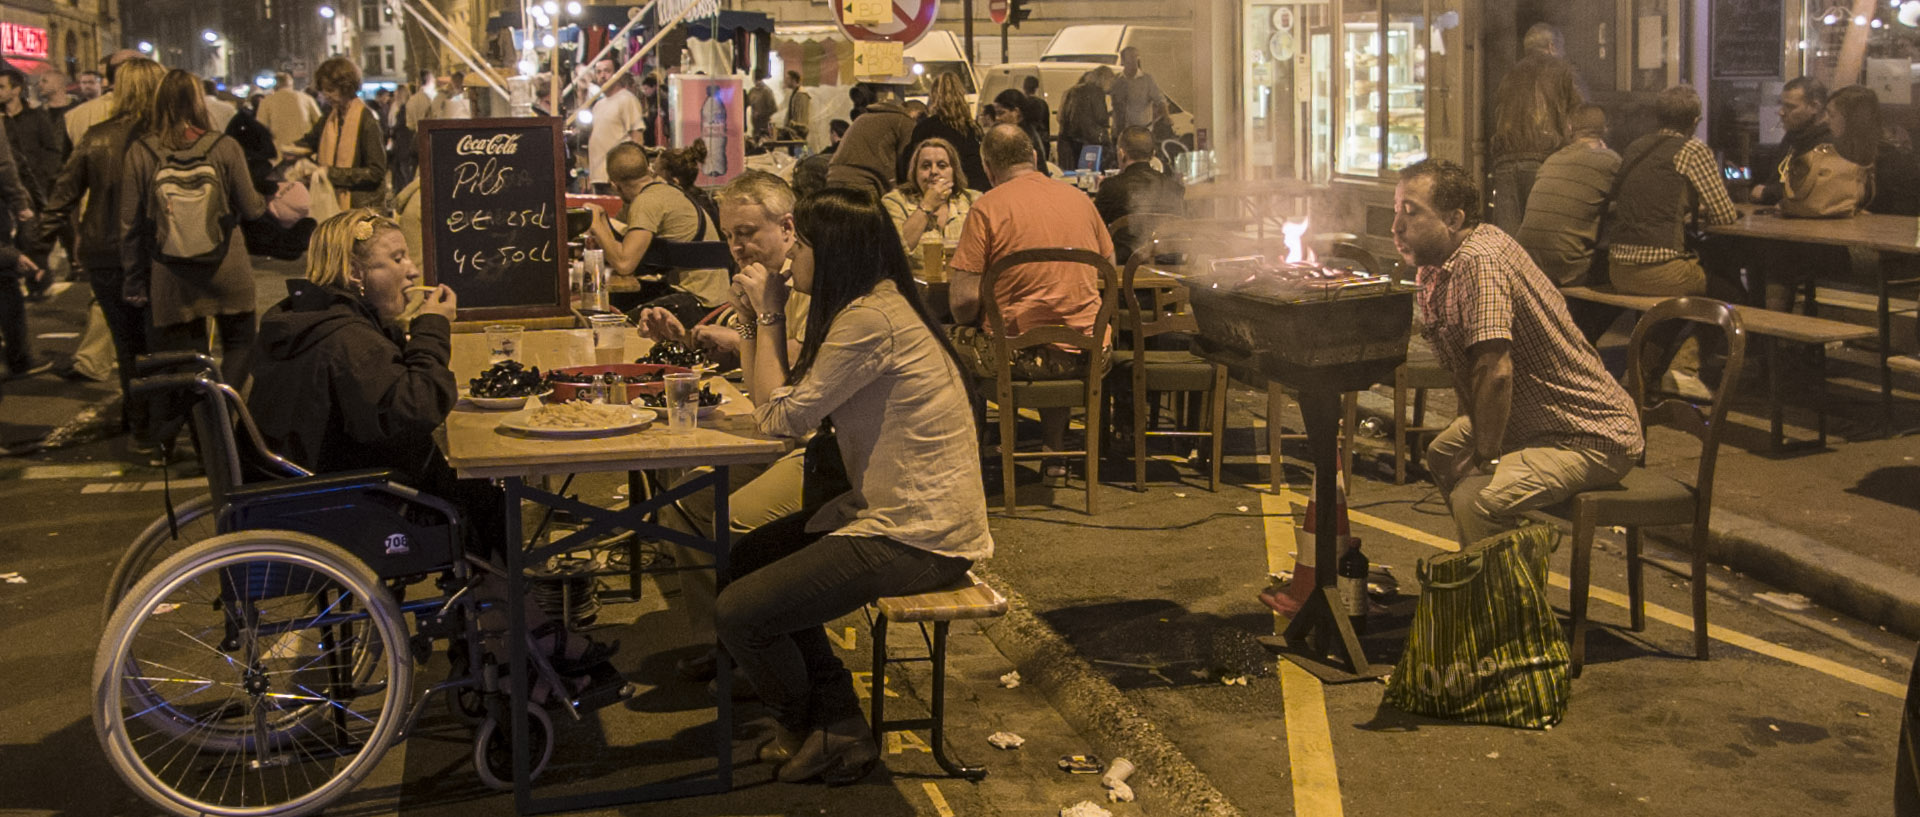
x: 503, y: 341
x: 609, y: 338
x: 683, y: 402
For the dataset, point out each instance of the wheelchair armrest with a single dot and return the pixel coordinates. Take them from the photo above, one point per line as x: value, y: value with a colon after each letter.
x: 379, y: 479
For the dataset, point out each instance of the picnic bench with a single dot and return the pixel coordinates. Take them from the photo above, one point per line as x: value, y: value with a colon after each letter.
x: 1772, y: 327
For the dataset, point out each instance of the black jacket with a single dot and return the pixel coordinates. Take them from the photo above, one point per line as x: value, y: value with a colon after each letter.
x: 1137, y: 189
x: 38, y: 149
x: 333, y: 390
x: 93, y: 172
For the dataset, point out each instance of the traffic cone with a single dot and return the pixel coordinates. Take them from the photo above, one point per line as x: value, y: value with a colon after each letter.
x: 1287, y: 600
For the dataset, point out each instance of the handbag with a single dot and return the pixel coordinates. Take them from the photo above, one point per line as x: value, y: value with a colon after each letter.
x: 1484, y: 646
x: 823, y: 471
x: 1823, y: 184
x: 325, y: 204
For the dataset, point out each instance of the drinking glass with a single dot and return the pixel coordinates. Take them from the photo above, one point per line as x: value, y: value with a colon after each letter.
x: 609, y: 337
x: 683, y: 402
x: 503, y: 341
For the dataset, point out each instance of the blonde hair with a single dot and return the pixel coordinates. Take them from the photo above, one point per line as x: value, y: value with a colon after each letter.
x: 340, y: 243
x: 910, y: 184
x: 137, y: 81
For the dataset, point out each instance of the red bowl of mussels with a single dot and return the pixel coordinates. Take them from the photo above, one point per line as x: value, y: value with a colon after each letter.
x: 629, y: 380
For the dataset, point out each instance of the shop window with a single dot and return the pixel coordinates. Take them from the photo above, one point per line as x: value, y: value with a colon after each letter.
x: 1893, y: 46
x: 1381, y: 108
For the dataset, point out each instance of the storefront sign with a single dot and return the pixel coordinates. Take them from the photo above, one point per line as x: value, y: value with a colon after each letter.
x: 23, y: 41
x: 493, y: 213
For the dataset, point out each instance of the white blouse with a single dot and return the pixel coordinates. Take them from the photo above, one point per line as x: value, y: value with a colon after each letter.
x: 899, y: 408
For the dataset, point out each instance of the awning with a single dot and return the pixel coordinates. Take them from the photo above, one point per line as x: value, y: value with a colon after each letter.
x: 731, y: 23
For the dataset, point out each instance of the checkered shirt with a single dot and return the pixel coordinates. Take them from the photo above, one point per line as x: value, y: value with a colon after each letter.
x: 1562, y: 395
x: 1695, y: 162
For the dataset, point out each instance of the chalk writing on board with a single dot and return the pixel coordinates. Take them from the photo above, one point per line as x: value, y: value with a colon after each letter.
x: 491, y: 214
x: 1746, y: 39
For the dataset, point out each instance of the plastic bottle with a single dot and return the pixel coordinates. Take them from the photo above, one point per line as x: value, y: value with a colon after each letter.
x: 1352, y: 571
x: 713, y: 129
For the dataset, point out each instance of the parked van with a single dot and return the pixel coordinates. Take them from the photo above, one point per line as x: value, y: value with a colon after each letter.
x: 1079, y: 49
x: 1163, y: 52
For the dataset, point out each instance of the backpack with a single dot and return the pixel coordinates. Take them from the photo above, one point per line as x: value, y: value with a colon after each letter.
x: 192, y: 213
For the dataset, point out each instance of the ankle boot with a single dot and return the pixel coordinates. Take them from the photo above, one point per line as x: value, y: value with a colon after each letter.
x: 840, y: 753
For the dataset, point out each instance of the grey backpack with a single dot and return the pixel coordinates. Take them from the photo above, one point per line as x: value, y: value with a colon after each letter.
x: 192, y: 213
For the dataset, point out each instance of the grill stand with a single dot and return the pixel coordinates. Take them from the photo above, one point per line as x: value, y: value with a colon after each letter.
x: 1320, y: 350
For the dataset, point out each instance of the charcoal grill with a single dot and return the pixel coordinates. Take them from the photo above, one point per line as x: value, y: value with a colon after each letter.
x: 1342, y: 333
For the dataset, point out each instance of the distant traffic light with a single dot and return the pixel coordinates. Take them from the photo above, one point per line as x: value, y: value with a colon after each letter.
x: 1018, y: 12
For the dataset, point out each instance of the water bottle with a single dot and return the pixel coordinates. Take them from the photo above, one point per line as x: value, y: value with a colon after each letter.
x: 713, y: 129
x: 1352, y: 573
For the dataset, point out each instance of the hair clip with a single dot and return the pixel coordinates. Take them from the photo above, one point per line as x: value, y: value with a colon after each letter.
x: 363, y: 229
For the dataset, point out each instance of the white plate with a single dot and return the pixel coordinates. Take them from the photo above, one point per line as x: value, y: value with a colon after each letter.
x: 499, y: 403
x: 636, y: 418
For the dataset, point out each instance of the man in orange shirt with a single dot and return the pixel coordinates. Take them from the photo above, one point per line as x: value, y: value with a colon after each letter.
x: 1026, y: 210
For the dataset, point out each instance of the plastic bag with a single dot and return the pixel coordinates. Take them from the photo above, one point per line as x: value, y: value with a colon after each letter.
x: 1485, y: 646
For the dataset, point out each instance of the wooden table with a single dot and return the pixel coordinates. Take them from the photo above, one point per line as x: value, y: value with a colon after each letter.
x: 477, y: 448
x: 1866, y: 237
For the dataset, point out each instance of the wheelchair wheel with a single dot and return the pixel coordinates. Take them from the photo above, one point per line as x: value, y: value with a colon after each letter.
x: 493, y: 748
x: 197, y: 523
x: 258, y: 672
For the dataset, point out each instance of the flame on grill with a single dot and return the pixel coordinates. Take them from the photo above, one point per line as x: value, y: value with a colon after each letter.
x: 1296, y: 250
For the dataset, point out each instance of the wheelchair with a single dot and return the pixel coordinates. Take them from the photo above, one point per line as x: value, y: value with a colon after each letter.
x: 257, y: 657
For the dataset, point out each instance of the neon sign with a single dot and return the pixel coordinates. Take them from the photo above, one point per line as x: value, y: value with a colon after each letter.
x: 25, y: 41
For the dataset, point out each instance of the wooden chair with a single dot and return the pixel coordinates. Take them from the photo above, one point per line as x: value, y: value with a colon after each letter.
x: 1010, y: 395
x: 1413, y: 378
x: 1645, y: 498
x: 967, y: 599
x: 1163, y: 371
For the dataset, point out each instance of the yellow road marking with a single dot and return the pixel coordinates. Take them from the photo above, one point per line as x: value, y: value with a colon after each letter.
x: 1316, y: 778
x: 940, y: 806
x: 1665, y: 615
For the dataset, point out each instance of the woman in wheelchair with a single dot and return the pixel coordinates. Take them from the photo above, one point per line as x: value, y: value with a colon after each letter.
x: 914, y: 520
x: 350, y: 373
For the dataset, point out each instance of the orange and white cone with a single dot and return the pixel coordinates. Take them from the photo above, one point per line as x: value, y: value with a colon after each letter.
x: 1287, y: 600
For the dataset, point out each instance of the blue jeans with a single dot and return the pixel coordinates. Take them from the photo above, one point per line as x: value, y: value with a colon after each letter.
x: 1510, y: 180
x: 770, y: 619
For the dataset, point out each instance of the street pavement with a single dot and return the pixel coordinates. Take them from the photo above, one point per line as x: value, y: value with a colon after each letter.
x: 1128, y: 626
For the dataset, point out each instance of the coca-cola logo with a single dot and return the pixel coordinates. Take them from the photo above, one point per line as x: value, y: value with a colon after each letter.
x: 500, y: 144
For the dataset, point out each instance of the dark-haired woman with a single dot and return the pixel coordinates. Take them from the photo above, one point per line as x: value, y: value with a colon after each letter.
x: 876, y: 365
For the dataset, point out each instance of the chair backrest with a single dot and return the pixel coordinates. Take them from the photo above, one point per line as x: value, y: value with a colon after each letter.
x: 1680, y: 414
x: 1093, y: 342
x: 1171, y: 309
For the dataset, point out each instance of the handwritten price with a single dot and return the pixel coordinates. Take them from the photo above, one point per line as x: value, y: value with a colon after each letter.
x: 483, y: 261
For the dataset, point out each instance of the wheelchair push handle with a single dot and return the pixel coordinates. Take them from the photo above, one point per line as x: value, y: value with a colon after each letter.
x: 163, y: 383
x: 165, y: 361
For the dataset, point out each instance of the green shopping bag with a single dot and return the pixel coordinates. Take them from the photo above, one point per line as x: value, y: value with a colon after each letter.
x: 1485, y: 646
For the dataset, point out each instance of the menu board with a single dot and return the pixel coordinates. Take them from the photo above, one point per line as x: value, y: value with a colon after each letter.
x: 493, y: 215
x: 1746, y: 39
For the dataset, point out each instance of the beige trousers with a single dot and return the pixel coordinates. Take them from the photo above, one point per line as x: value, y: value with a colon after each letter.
x: 758, y: 496
x: 1528, y: 479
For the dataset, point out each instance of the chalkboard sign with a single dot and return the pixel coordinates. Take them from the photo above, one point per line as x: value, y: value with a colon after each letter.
x: 1746, y: 39
x: 493, y: 215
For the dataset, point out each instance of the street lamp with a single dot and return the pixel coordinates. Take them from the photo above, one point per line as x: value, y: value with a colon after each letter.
x: 210, y: 36
x: 326, y: 12
x: 144, y: 47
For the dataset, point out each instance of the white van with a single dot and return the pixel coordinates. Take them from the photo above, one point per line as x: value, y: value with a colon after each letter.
x: 1163, y: 52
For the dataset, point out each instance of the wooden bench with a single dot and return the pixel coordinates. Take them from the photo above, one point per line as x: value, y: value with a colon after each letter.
x: 1772, y: 326
x: 968, y: 598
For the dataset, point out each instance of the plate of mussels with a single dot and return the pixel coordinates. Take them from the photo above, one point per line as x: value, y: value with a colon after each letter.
x: 675, y: 353
x: 507, y: 385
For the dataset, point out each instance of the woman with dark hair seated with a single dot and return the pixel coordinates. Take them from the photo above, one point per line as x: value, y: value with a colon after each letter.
x: 877, y: 366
